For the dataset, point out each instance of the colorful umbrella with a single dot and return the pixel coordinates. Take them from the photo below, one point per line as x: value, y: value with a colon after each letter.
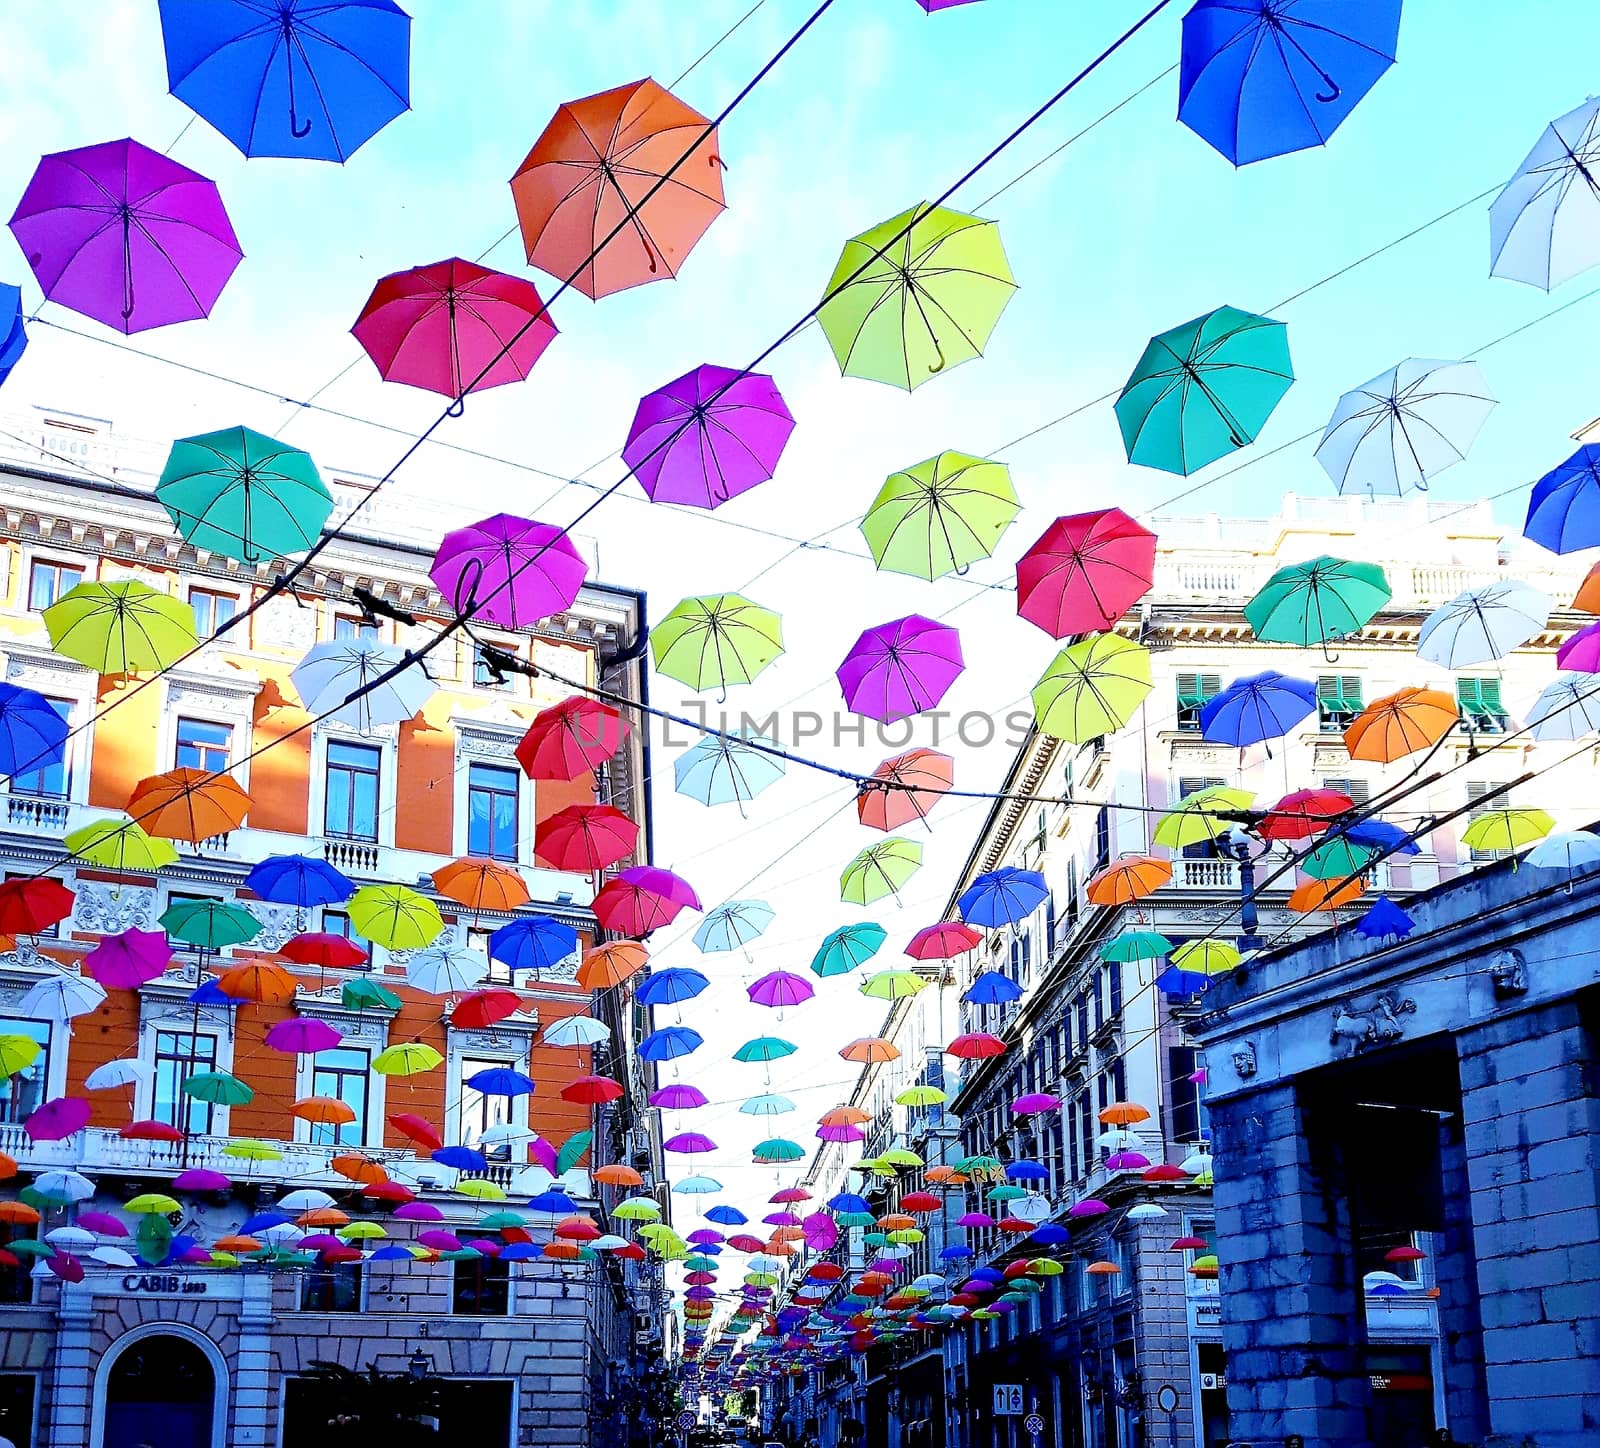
x: 618, y: 189
x: 880, y: 870
x: 708, y: 436
x: 1483, y: 624
x: 57, y: 1119
x: 129, y: 959
x: 1385, y: 918
x: 324, y: 949
x: 1317, y: 601
x: 1255, y: 709
x: 58, y: 997
x: 1198, y: 818
x: 1092, y: 688
x: 1127, y: 880
x: 609, y: 965
x: 734, y: 925
x: 485, y: 1008
x: 943, y: 941
x: 362, y: 683
x: 940, y: 515
x: 893, y: 985
x: 535, y: 942
x: 303, y: 1036
x: 727, y: 769
x: 763, y: 1049
x: 900, y: 668
x: 1262, y: 80
x: 575, y: 1031
x: 1580, y: 653
x: 1571, y: 850
x: 33, y: 904
x: 33, y: 733
x: 410, y: 1058
x: 481, y: 885
x: 716, y: 640
x: 1002, y: 897
x: 1202, y: 957
x: 1316, y: 895
x: 120, y: 628
x: 1544, y: 226
x: 445, y: 970
x: 299, y: 880
x: 508, y: 571
x: 780, y: 988
x: 394, y: 916
x: 1204, y: 389
x: 915, y: 295
x: 1401, y: 723
x: 585, y: 837
x: 1506, y: 829
x: 13, y: 335
x: 904, y: 788
x: 641, y: 898
x: 1303, y: 813
x: 847, y: 948
x: 1133, y: 945
x: 1336, y: 859
x: 219, y: 1088
x: 570, y: 739
x: 126, y: 236
x: 118, y: 845
x: 454, y: 327
x: 1567, y: 708
x: 258, y: 980
x: 668, y: 987
x: 363, y: 993
x: 313, y: 80
x: 1564, y: 509
x: 1084, y: 572
x: 210, y: 924
x: 189, y: 804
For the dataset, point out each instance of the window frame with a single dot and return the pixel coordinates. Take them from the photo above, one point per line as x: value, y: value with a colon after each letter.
x: 204, y: 749
x: 1337, y: 704
x: 329, y: 1276
x: 329, y: 767
x: 512, y: 775
x: 184, y: 1106
x: 1479, y: 703
x: 385, y: 740
x: 489, y: 1272
x: 10, y: 1113
x: 353, y: 628
x: 37, y: 561
x: 208, y: 589
x: 329, y: 1137
x: 1202, y: 689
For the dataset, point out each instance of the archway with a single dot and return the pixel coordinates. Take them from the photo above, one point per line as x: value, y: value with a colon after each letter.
x: 158, y: 1388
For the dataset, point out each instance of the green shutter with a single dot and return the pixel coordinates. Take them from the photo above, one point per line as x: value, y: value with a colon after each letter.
x: 1339, y: 693
x: 1480, y: 697
x: 1189, y: 695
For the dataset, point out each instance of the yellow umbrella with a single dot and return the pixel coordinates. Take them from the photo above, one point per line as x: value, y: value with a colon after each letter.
x: 482, y: 1190
x: 119, y: 844
x: 394, y: 916
x: 17, y: 1053
x: 921, y: 1096
x: 1092, y: 688
x: 120, y: 627
x: 362, y: 1231
x: 637, y: 1209
x: 1507, y: 829
x: 152, y: 1203
x: 1206, y: 957
x: 410, y: 1058
x: 1194, y: 819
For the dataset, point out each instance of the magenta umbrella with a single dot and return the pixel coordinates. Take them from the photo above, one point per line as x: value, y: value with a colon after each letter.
x: 708, y: 436
x: 689, y: 1143
x: 124, y: 235
x: 201, y: 1179
x: 780, y: 988
x: 821, y: 1232
x: 102, y: 1224
x: 301, y: 1036
x: 58, y: 1119
x: 931, y: 6
x: 67, y: 1267
x: 508, y: 571
x: 418, y: 1212
x: 700, y: 1294
x: 901, y: 668
x: 128, y: 960
x: 974, y: 1219
x: 1088, y: 1207
x: 840, y: 1133
x: 454, y: 326
x: 678, y: 1096
x: 1581, y: 652
x: 439, y: 1239
x: 705, y: 1237
x: 1035, y: 1102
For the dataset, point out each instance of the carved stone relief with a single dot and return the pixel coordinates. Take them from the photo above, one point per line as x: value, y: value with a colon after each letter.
x: 105, y: 909
x: 1377, y: 1025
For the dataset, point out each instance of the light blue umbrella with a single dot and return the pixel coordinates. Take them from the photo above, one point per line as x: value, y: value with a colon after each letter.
x: 1483, y: 624
x: 725, y: 769
x: 734, y: 925
x: 848, y: 947
x: 1567, y: 708
x: 768, y: 1105
x: 1569, y: 850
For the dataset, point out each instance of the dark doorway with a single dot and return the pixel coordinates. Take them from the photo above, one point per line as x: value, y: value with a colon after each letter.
x: 160, y: 1394
x: 18, y: 1392
x: 468, y: 1410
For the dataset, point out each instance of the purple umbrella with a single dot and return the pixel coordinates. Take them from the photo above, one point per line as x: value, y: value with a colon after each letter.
x: 322, y: 1242
x: 974, y: 1219
x: 901, y: 668
x: 508, y: 571
x: 124, y: 235
x: 485, y: 1246
x: 543, y: 1154
x: 780, y: 1219
x: 58, y: 1118
x: 102, y: 1224
x: 822, y: 1233
x: 199, y: 1179
x: 705, y: 1237
x: 700, y: 1294
x: 934, y: 5
x: 840, y: 1133
x: 1581, y: 652
x: 687, y: 1143
x: 128, y: 960
x: 780, y: 988
x: 418, y: 1212
x: 679, y: 1096
x: 1088, y: 1207
x: 302, y: 1036
x: 1029, y: 1105
x: 708, y: 436
x: 439, y: 1239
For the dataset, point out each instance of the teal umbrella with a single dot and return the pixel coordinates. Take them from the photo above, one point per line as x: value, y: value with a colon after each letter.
x: 1313, y: 602
x: 848, y: 947
x: 1337, y: 859
x: 243, y: 495
x: 1204, y: 389
x: 1133, y: 945
x: 210, y: 924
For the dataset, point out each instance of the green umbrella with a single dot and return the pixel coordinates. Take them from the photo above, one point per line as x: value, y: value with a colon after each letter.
x: 219, y: 1088
x: 879, y: 870
x: 210, y: 924
x: 243, y: 495
x: 1204, y: 389
x: 777, y: 1149
x: 1092, y: 688
x: 893, y: 985
x: 915, y: 295
x: 940, y: 515
x: 1313, y: 602
x: 120, y: 628
x: 1136, y: 945
x: 1196, y: 819
x: 1336, y: 860
x: 119, y: 845
x: 717, y: 640
x: 1206, y: 957
x: 363, y: 994
x: 27, y: 1247
x: 846, y: 948
x: 765, y: 1048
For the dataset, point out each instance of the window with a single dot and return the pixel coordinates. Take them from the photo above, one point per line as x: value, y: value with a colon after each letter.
x: 350, y: 626
x: 180, y: 1055
x: 1202, y: 849
x: 211, y: 610
x: 335, y: 1288
x: 341, y: 1073
x: 1050, y: 913
x: 1194, y: 692
x: 337, y: 922
x: 1359, y: 791
x: 1189, y: 1120
x: 1338, y: 701
x: 478, y: 1111
x: 1111, y: 977
x: 204, y: 744
x: 48, y: 581
x: 53, y: 780
x: 350, y: 800
x: 499, y: 972
x: 492, y: 792
x: 1102, y: 838
x: 1481, y: 709
x: 482, y: 1288
x: 22, y: 1093
x: 1080, y: 1010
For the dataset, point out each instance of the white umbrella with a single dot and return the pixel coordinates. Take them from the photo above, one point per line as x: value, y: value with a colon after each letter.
x: 504, y: 1134
x: 1405, y: 426
x: 332, y: 672
x: 124, y: 1071
x: 70, y: 1239
x: 581, y: 1030
x: 1196, y: 1163
x: 1567, y: 708
x: 1568, y: 850
x: 307, y: 1199
x: 1146, y: 1212
x: 59, y: 997
x: 608, y: 1243
x: 1483, y: 624
x: 64, y: 1186
x: 1544, y: 227
x: 284, y: 1234
x: 113, y: 1257
x: 446, y: 969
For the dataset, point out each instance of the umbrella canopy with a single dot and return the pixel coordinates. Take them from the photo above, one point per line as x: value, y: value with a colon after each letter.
x: 1405, y: 426
x: 1006, y: 896
x: 1581, y: 651
x: 1199, y: 818
x: 1567, y: 708
x: 1303, y: 813
x: 1483, y: 624
x: 637, y: 900
x: 454, y: 327
x: 569, y: 739
x: 901, y: 668
x: 1336, y: 859
x: 1314, y: 895
x: 508, y: 571
x: 585, y: 837
x: 726, y: 769
x: 124, y: 627
x: 669, y: 987
x: 992, y: 988
x: 708, y: 436
x: 609, y: 965
x: 394, y: 916
x: 940, y: 515
x: 1092, y: 688
x: 848, y: 948
x: 1564, y: 509
x: 593, y: 199
x: 576, y: 1030
x: 444, y: 970
x: 1084, y: 572
x: 1544, y: 226
x: 31, y: 905
x: 1405, y: 722
x: 118, y: 845
x: 189, y: 804
x: 311, y: 80
x: 1204, y: 389
x: 1506, y: 829
x: 942, y: 941
x: 299, y: 880
x: 339, y: 681
x: 326, y: 950
x: 1385, y: 918
x: 33, y: 733
x: 410, y: 1058
x: 904, y: 788
x: 303, y: 1036
x: 481, y: 885
x: 880, y: 870
x: 243, y: 495
x: 1571, y: 850
x: 13, y: 335
x: 734, y: 925
x: 535, y: 942
x: 1262, y: 80
x: 210, y: 924
x: 915, y: 295
x: 716, y: 640
x: 764, y: 1049
x: 219, y: 1088
x: 258, y: 980
x: 126, y: 236
x: 893, y: 985
x: 1136, y: 945
x: 1127, y: 880
x: 1255, y: 709
x: 485, y: 1007
x: 58, y: 997
x: 780, y: 988
x: 1316, y: 601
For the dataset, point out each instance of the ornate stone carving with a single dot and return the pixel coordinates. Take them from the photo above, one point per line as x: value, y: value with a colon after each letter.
x: 105, y: 909
x: 1376, y: 1026
x: 278, y: 923
x: 1509, y: 973
x: 290, y: 625
x: 26, y: 954
x: 1244, y: 1060
x: 222, y: 692
x: 488, y: 743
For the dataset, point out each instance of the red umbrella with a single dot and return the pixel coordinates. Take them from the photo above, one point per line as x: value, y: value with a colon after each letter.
x: 913, y: 784
x: 571, y: 738
x: 591, y: 1090
x: 1304, y: 813
x: 639, y: 899
x: 941, y: 941
x: 585, y: 837
x: 325, y: 949
x: 1085, y: 572
x: 454, y: 325
x: 150, y: 1131
x: 485, y: 1007
x: 30, y: 906
x: 976, y: 1046
x: 418, y: 1129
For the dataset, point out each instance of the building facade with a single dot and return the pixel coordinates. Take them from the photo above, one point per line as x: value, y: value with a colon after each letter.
x: 537, y: 1352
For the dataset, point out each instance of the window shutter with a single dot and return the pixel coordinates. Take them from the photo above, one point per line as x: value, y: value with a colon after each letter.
x: 1189, y: 691
x: 1210, y: 685
x: 1327, y: 688
x: 1188, y: 785
x: 1359, y: 790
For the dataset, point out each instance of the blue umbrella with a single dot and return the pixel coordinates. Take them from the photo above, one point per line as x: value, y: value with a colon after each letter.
x: 462, y: 1158
x: 1177, y: 982
x: 1259, y: 80
x: 669, y: 1043
x: 1050, y: 1234
x: 33, y: 735
x: 849, y: 1202
x: 1564, y: 511
x: 1384, y: 918
x: 1257, y: 708
x: 314, y: 79
x: 726, y: 770
x: 519, y: 1251
x: 13, y: 339
x: 501, y: 1081
x: 553, y: 1201
x: 299, y: 880
x: 210, y: 993
x: 990, y: 988
x: 845, y: 949
x: 734, y: 925
x: 264, y: 1221
x: 1003, y: 897
x: 1382, y: 836
x: 668, y: 987
x: 960, y: 1254
x: 394, y: 1253
x: 1027, y: 1171
x: 535, y: 942
x: 727, y: 1216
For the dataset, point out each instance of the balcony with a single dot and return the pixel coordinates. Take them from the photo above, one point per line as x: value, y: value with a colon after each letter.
x: 1205, y: 874
x: 37, y: 814
x: 356, y: 857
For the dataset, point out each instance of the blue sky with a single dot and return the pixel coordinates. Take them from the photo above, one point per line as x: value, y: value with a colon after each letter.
x: 1138, y: 226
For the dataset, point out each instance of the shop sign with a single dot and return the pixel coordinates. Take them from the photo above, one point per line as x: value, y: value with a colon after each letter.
x: 164, y: 1284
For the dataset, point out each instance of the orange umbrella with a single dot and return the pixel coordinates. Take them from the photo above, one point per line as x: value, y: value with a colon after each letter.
x: 911, y: 784
x: 360, y: 1169
x: 323, y: 1217
x: 788, y: 1234
x: 608, y: 965
x: 617, y: 1175
x: 1324, y: 895
x: 258, y: 980
x: 481, y: 885
x: 1126, y: 880
x: 1588, y: 596
x: 8, y: 1165
x: 775, y: 1248
x: 235, y: 1243
x: 581, y: 193
x: 1102, y: 1269
x: 944, y: 1176
x: 18, y: 1213
x: 323, y: 1111
x: 563, y: 1251
x: 188, y: 804
x: 1399, y: 724
x: 1123, y: 1113
x: 896, y: 1222
x: 869, y: 1050
x: 844, y: 1116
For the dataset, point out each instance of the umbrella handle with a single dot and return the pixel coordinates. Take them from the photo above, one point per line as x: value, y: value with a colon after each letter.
x: 302, y: 131
x: 458, y: 407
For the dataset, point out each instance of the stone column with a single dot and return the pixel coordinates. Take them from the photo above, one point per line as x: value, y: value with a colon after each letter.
x: 254, y: 1408
x: 71, y: 1396
x: 1455, y: 1273
x: 1291, y: 1304
x: 1528, y: 1098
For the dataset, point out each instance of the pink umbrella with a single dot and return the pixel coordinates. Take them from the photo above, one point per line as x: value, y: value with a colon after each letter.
x: 58, y: 1119
x: 1088, y: 1207
x: 708, y: 436
x: 199, y: 1179
x: 974, y: 1219
x: 941, y: 941
x: 130, y: 959
x: 418, y: 1212
x: 900, y: 668
x: 840, y: 1133
x: 439, y: 1239
x: 122, y: 234
x: 678, y: 1096
x: 508, y: 571
x: 1034, y: 1103
x: 780, y: 988
x: 1581, y: 652
x: 303, y: 1036
x: 67, y: 1267
x: 822, y: 1232
x: 1085, y: 572
x: 454, y: 326
x: 689, y: 1143
x: 904, y: 788
x: 102, y: 1224
x: 641, y: 898
x: 790, y: 1194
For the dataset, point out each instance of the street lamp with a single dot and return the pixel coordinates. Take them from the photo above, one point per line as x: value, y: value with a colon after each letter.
x: 1236, y: 846
x: 419, y: 1366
